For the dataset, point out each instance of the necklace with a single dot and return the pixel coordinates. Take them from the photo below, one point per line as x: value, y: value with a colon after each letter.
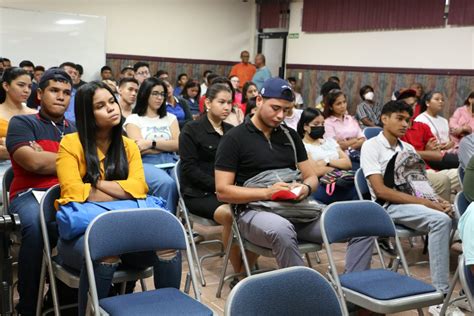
x: 61, y: 133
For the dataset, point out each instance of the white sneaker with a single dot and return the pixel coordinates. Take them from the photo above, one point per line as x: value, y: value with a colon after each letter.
x: 463, y: 304
x: 435, y: 310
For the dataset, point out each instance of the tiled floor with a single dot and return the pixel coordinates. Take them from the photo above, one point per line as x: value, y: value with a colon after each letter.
x: 212, y: 267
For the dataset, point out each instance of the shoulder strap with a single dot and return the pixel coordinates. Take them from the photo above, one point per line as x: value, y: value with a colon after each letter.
x: 287, y: 133
x: 389, y: 177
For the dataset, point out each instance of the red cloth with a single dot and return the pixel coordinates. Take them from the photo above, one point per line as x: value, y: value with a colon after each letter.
x: 418, y: 135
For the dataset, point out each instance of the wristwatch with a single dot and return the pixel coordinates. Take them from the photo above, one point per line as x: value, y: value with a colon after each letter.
x: 326, y: 160
x: 153, y: 144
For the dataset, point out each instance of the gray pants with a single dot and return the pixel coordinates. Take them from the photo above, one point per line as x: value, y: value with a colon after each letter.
x: 438, y: 226
x: 272, y: 231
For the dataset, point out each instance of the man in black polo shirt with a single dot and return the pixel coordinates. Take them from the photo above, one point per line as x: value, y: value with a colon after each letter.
x: 260, y: 144
x: 32, y: 142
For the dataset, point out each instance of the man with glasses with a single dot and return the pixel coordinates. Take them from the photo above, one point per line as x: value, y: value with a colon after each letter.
x: 244, y: 70
x: 142, y: 71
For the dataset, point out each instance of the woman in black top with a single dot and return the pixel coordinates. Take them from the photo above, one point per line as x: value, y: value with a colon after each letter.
x: 198, y: 143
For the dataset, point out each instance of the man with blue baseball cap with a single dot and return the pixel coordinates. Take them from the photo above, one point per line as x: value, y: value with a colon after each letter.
x: 261, y: 144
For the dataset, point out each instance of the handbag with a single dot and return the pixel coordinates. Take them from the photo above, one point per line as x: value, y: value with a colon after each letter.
x: 74, y: 217
x: 337, y: 178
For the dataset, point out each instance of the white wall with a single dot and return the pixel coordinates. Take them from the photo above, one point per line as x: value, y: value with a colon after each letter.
x: 447, y: 48
x: 197, y: 29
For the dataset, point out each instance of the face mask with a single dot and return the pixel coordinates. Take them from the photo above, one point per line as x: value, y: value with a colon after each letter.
x: 317, y: 132
x: 369, y: 96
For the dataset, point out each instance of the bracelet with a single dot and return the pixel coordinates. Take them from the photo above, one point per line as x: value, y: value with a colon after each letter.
x: 310, y: 189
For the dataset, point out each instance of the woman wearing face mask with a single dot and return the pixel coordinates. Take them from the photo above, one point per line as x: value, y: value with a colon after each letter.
x: 325, y: 155
x: 368, y: 112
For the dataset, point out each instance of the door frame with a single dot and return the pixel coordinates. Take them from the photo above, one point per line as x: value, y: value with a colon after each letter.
x: 275, y: 35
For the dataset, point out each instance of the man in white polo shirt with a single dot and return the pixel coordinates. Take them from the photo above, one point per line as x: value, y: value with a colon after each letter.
x: 413, y: 212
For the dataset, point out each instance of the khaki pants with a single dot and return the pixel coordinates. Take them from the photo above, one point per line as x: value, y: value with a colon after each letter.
x: 444, y: 181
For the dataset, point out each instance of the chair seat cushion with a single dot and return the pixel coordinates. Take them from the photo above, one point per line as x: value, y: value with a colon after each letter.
x: 383, y: 284
x: 168, y: 301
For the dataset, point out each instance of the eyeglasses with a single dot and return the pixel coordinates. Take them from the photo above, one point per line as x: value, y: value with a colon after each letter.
x: 158, y: 94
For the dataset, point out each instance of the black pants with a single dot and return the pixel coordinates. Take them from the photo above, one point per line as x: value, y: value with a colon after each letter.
x: 202, y: 206
x: 449, y: 161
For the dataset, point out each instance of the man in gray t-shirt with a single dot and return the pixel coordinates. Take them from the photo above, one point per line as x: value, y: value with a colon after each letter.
x: 466, y: 150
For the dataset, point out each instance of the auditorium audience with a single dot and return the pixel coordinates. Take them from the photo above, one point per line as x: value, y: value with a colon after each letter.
x: 127, y: 89
x: 205, y: 81
x: 324, y: 155
x: 422, y: 214
x: 236, y: 116
x: 71, y: 70
x: 260, y: 144
x: 141, y: 71
x: 33, y: 142
x: 106, y: 73
x: 156, y: 133
x: 127, y: 72
x: 262, y: 73
x: 243, y: 70
x: 78, y: 82
x: 325, y: 88
x: 197, y: 149
x: 462, y: 121
x: 98, y: 164
x: 191, y: 94
x: 238, y: 95
x: 409, y: 96
x: 180, y: 83
x: 177, y: 106
x: 368, y: 111
x: 342, y: 127
x: 249, y: 91
x: 299, y: 102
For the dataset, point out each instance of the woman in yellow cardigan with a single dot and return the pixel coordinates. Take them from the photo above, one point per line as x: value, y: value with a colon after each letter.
x: 99, y: 164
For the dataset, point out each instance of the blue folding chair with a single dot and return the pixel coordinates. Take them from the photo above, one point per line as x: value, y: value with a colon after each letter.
x: 289, y: 291
x: 379, y: 290
x: 370, y: 132
x: 118, y: 232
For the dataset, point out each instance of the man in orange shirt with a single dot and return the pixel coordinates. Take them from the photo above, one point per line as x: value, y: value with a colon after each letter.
x: 243, y: 70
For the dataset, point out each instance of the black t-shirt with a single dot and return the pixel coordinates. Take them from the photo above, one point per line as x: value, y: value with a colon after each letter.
x: 246, y: 151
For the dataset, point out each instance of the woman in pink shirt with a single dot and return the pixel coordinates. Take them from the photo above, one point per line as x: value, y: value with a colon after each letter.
x: 341, y: 126
x: 462, y: 121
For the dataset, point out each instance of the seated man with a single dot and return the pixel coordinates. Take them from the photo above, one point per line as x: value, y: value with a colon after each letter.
x: 33, y: 142
x: 419, y: 135
x: 260, y: 144
x: 416, y: 213
x: 466, y: 150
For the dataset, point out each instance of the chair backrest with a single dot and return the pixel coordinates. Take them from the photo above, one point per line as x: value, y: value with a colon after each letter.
x: 343, y: 220
x: 461, y: 203
x: 6, y: 183
x: 467, y: 279
x: 370, y: 132
x: 361, y: 185
x: 134, y: 230
x: 177, y: 177
x: 48, y: 217
x: 289, y: 291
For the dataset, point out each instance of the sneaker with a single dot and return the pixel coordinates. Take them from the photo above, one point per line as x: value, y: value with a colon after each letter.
x: 435, y: 310
x: 386, y: 246
x: 463, y: 304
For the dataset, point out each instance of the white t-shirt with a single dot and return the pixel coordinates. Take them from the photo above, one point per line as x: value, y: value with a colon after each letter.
x: 439, y: 126
x: 292, y: 121
x: 152, y: 128
x: 327, y: 149
x: 375, y: 155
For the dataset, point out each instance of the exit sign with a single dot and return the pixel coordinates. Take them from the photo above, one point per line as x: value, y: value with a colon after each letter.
x: 294, y: 35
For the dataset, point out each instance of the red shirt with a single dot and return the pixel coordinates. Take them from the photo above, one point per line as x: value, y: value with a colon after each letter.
x: 418, y: 135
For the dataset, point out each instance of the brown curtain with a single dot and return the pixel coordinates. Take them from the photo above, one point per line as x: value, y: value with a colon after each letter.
x: 461, y: 12
x: 274, y: 14
x: 363, y: 15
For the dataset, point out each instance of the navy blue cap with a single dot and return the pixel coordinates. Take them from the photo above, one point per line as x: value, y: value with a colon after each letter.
x: 277, y: 88
x: 55, y: 74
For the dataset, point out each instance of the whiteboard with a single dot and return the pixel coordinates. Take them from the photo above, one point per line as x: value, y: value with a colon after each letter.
x: 51, y: 38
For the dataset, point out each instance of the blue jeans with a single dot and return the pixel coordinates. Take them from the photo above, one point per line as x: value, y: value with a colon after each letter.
x: 31, y: 251
x: 166, y: 273
x: 160, y: 182
x: 438, y: 226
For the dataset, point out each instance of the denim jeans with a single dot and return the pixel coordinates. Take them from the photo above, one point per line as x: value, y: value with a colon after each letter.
x: 166, y: 273
x: 160, y: 182
x: 31, y: 250
x: 438, y: 226
x: 340, y: 194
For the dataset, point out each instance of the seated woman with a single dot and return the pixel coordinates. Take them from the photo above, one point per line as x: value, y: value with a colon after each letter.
x: 462, y: 121
x: 197, y: 149
x: 156, y: 133
x: 325, y: 155
x: 99, y: 164
x: 368, y: 112
x: 342, y: 127
x: 236, y: 116
x: 238, y: 95
x: 15, y: 88
x: 177, y: 106
x: 431, y: 106
x: 191, y: 93
x: 249, y: 91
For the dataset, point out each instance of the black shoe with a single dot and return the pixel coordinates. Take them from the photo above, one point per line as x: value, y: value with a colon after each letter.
x: 233, y: 283
x: 386, y: 246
